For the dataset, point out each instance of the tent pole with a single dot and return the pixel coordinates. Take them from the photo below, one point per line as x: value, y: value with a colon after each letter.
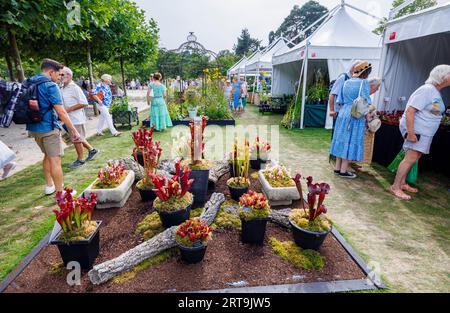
x: 305, y: 78
x: 363, y: 12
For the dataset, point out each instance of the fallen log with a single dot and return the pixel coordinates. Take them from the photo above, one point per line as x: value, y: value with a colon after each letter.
x: 103, y: 272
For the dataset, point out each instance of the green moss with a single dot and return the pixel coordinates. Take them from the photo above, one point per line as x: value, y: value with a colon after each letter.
x: 304, y: 259
x: 226, y: 220
x: 197, y: 165
x: 255, y: 213
x: 157, y: 259
x: 196, y: 212
x: 319, y: 225
x: 174, y: 203
x: 150, y: 226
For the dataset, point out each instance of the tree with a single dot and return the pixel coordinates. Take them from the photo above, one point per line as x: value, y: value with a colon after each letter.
x: 130, y: 37
x: 246, y: 44
x: 416, y: 6
x: 225, y: 60
x: 298, y: 20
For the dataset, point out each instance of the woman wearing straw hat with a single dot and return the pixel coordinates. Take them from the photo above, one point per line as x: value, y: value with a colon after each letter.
x: 348, y: 140
x: 419, y: 124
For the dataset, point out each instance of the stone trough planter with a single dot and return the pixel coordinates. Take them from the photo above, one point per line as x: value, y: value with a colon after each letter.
x: 113, y: 197
x: 278, y: 196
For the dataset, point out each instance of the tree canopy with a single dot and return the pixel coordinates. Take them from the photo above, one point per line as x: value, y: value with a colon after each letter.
x: 298, y: 20
x: 246, y: 44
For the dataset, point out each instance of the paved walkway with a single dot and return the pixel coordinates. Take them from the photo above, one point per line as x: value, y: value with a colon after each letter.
x: 28, y: 153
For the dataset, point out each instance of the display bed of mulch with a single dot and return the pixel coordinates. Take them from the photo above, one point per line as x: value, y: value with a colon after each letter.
x: 227, y: 263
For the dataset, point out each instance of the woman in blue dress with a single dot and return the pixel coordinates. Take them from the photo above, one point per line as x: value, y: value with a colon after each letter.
x: 348, y: 140
x: 159, y: 115
x: 237, y: 94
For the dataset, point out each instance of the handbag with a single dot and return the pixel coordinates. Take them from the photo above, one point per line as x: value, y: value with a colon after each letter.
x: 360, y: 107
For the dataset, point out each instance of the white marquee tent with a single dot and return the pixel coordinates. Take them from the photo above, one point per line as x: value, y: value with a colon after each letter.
x: 335, y: 44
x: 238, y: 67
x: 263, y: 61
x: 413, y: 46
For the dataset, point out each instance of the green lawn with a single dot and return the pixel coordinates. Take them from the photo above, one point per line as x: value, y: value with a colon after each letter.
x: 406, y: 242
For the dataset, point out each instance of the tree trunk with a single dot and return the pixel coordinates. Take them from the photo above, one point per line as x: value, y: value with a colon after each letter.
x: 103, y: 272
x: 123, y: 75
x: 90, y: 73
x: 16, y: 56
x: 9, y: 64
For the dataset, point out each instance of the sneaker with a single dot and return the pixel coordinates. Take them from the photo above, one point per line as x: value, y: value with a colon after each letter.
x: 337, y: 172
x: 49, y: 190
x: 117, y: 134
x: 76, y: 164
x: 348, y: 175
x: 92, y: 155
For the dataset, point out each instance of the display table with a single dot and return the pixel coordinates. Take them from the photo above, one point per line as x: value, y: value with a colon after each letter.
x: 389, y: 141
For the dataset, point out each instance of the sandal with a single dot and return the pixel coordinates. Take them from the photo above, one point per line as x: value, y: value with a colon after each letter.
x: 399, y: 194
x: 408, y: 188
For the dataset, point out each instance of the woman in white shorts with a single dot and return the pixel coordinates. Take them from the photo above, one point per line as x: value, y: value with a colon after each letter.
x: 419, y: 124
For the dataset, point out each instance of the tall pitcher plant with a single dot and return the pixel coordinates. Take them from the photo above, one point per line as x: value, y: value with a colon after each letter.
x: 240, y: 163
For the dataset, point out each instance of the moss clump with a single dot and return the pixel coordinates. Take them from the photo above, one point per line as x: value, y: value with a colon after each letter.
x: 278, y: 177
x: 301, y: 219
x: 196, y: 212
x: 144, y: 184
x: 197, y: 165
x: 238, y: 182
x: 157, y: 259
x: 226, y: 220
x: 304, y: 259
x: 83, y: 233
x: 174, y: 203
x: 99, y: 185
x: 150, y: 226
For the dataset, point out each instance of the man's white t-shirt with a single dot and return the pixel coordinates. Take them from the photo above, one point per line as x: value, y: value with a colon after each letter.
x: 73, y: 95
x: 430, y: 107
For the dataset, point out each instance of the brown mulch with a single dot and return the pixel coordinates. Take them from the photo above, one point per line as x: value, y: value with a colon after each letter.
x: 226, y: 261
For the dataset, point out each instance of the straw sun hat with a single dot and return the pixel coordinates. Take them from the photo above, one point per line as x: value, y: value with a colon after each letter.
x: 361, y: 68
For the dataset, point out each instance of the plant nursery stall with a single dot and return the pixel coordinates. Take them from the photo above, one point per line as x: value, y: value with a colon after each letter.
x: 334, y: 45
x: 413, y: 46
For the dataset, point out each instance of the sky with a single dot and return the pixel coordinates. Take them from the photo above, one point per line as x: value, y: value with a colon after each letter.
x: 218, y: 23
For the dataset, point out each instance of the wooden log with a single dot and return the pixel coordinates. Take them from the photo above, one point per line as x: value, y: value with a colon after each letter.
x: 219, y: 169
x: 103, y: 272
x: 281, y: 217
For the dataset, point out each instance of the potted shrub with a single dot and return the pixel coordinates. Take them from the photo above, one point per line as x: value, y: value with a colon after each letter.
x: 192, y: 237
x: 254, y: 211
x: 112, y: 186
x: 151, y: 156
x: 192, y: 99
x: 278, y: 186
x: 309, y: 226
x: 259, y: 154
x: 173, y: 201
x: 140, y: 138
x: 239, y: 182
x: 79, y: 238
x: 197, y: 163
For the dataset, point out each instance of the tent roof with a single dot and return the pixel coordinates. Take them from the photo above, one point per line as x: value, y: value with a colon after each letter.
x: 424, y: 23
x: 265, y: 59
x: 237, y: 64
x: 340, y: 36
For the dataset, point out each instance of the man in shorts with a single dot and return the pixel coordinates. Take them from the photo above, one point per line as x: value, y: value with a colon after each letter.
x: 74, y: 102
x: 47, y: 133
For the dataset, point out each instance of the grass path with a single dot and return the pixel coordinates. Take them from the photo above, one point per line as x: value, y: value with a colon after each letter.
x: 408, y: 242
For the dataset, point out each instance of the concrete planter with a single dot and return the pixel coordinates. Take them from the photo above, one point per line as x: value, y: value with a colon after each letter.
x: 278, y: 196
x: 114, y: 197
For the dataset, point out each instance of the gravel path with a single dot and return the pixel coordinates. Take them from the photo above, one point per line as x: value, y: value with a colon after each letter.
x: 28, y: 153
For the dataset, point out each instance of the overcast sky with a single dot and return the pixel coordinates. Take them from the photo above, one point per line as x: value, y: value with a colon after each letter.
x: 218, y: 23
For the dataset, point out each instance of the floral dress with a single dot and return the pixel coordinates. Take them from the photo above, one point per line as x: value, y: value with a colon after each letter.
x: 159, y: 115
x: 348, y: 139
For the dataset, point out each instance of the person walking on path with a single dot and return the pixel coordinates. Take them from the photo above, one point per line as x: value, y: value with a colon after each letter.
x: 159, y: 115
x: 244, y: 92
x: 47, y: 133
x: 419, y: 124
x: 74, y: 102
x: 227, y: 92
x: 237, y: 94
x: 348, y: 140
x: 102, y: 94
x: 6, y: 160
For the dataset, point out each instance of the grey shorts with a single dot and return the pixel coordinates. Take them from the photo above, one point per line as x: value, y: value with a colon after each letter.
x: 423, y: 145
x: 81, y: 129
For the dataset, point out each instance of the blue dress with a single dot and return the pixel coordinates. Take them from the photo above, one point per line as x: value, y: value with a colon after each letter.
x: 159, y: 115
x: 348, y: 139
x: 236, y: 94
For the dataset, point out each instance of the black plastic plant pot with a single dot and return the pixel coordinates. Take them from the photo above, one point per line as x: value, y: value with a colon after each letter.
x: 307, y: 239
x: 192, y: 255
x: 200, y: 186
x: 140, y: 158
x: 147, y: 195
x: 84, y: 251
x: 237, y: 192
x: 256, y: 164
x: 254, y: 230
x: 175, y: 218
